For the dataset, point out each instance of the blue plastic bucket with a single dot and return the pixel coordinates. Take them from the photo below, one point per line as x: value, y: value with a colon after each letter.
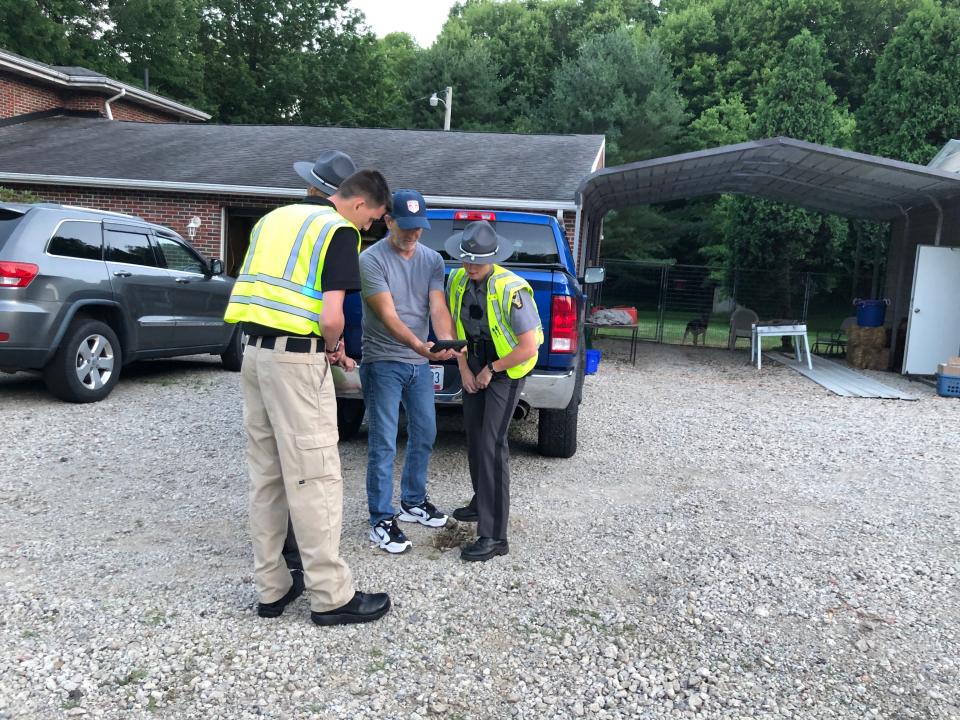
x: 593, y: 362
x: 870, y: 313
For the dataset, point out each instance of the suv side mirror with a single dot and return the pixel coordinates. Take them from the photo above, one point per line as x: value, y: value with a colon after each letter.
x: 594, y: 275
x: 216, y: 267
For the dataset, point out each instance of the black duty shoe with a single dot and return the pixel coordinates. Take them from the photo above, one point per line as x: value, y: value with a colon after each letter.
x: 364, y: 607
x: 275, y: 609
x: 484, y: 548
x: 466, y: 514
x: 425, y: 513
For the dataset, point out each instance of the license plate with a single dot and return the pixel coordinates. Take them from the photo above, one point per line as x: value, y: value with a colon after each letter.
x: 437, y: 371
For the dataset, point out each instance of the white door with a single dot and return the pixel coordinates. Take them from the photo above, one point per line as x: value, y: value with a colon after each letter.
x: 933, y: 325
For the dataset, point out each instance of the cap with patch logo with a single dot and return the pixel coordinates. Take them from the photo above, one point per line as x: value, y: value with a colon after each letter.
x: 409, y: 210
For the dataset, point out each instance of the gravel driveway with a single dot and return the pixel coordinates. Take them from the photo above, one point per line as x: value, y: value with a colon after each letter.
x: 724, y: 544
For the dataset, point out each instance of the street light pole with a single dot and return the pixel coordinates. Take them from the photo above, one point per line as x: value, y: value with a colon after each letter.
x: 448, y: 106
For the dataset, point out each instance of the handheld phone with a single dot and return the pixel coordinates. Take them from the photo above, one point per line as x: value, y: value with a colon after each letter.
x: 448, y: 345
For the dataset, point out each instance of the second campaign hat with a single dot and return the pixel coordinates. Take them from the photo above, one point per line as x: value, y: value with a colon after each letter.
x: 478, y: 243
x: 330, y: 169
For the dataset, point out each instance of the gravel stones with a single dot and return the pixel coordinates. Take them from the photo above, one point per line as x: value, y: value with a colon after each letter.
x: 725, y: 544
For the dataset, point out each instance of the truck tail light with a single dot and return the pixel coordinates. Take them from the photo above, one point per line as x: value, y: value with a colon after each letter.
x: 17, y: 274
x: 563, y: 325
x: 472, y: 215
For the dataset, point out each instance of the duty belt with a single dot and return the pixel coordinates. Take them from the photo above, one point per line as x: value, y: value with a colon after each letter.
x: 294, y: 344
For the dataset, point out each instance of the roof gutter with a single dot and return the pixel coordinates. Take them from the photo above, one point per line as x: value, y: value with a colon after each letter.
x: 106, y: 104
x: 453, y: 201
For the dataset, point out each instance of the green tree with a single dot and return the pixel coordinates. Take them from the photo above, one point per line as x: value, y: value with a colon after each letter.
x: 270, y: 61
x: 160, y: 37
x: 464, y: 63
x: 722, y: 48
x: 723, y: 124
x: 795, y: 100
x: 913, y: 105
x: 395, y: 59
x: 619, y: 85
x: 527, y: 40
x: 59, y: 32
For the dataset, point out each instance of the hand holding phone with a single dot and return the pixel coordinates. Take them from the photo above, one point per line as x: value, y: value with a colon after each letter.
x: 440, y: 345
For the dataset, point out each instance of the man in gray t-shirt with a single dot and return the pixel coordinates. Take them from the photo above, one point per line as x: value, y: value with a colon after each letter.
x: 402, y: 290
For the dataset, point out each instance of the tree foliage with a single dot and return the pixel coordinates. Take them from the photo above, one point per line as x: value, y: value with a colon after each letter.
x: 620, y: 85
x: 913, y: 106
x: 653, y: 78
x: 796, y: 101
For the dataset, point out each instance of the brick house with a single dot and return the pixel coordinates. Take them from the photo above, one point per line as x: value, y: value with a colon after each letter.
x: 72, y: 136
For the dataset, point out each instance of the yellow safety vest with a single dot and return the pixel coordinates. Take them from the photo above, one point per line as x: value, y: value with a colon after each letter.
x: 502, y: 285
x: 279, y: 282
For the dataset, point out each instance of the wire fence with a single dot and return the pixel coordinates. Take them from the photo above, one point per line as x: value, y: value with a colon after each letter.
x: 693, y: 303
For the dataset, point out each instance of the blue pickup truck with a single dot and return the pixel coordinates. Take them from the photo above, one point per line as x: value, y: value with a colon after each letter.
x: 554, y: 388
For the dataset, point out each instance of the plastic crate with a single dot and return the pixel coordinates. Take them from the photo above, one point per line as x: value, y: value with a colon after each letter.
x: 948, y: 386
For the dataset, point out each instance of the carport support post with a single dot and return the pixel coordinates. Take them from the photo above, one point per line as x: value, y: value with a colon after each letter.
x: 895, y: 302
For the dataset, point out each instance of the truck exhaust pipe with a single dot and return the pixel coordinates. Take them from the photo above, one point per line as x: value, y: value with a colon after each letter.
x: 521, y: 411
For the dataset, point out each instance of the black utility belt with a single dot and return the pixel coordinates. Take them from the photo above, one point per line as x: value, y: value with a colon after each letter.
x: 294, y: 344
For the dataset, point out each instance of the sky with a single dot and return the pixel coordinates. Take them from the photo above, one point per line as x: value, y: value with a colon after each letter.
x: 420, y: 18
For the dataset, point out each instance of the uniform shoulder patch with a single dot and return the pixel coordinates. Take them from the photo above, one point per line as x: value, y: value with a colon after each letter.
x: 517, y: 301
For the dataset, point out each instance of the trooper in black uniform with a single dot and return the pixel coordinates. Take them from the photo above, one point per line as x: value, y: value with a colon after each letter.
x: 494, y: 310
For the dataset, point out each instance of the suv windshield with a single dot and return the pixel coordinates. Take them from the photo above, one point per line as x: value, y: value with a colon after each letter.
x: 531, y: 243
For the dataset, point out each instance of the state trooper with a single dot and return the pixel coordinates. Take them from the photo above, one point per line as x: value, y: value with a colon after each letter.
x: 494, y: 311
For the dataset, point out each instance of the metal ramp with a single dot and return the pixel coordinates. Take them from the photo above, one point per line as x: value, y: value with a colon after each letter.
x: 840, y: 379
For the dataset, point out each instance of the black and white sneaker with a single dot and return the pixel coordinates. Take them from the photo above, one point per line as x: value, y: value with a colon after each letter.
x: 387, y: 536
x: 425, y: 513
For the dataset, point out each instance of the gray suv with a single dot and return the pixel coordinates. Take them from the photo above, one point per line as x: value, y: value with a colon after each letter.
x: 85, y: 292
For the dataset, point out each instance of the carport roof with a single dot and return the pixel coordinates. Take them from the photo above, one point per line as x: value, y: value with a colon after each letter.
x: 817, y: 177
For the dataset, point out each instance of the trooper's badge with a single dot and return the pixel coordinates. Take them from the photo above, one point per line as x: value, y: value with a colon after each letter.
x: 517, y: 301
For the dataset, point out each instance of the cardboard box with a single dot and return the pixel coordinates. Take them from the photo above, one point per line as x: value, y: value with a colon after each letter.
x: 950, y: 368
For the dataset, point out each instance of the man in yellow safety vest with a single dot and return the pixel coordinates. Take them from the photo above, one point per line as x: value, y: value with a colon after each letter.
x: 302, y: 261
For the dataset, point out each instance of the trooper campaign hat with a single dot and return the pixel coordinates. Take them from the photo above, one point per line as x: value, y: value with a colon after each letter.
x: 478, y: 243
x: 326, y: 174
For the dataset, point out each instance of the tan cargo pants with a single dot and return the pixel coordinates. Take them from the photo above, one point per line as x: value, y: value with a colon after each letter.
x: 290, y: 417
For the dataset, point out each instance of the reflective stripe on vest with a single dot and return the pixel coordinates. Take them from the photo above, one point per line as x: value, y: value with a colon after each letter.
x: 280, y: 281
x: 502, y: 285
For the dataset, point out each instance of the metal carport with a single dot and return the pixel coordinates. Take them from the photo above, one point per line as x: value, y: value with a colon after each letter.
x: 922, y: 203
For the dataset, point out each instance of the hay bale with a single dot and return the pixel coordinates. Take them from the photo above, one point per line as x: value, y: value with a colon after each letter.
x: 857, y: 356
x: 869, y: 337
x: 867, y: 358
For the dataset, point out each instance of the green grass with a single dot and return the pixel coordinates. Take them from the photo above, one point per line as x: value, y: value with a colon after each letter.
x: 675, y: 323
x: 134, y: 676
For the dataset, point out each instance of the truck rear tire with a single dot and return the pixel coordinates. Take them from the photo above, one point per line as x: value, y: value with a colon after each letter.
x: 86, y: 366
x: 557, y: 429
x: 349, y: 417
x: 557, y: 432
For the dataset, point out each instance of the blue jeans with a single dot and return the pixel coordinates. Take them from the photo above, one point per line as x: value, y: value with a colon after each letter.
x: 386, y: 385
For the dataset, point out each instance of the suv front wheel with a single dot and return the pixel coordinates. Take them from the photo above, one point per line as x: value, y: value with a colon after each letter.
x: 86, y: 366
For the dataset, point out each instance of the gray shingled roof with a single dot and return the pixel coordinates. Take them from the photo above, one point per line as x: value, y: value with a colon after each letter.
x: 460, y: 164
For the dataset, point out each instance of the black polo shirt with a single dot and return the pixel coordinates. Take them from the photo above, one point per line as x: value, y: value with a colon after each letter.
x: 341, y: 267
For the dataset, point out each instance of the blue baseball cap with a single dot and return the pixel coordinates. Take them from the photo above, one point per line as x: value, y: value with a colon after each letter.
x: 409, y: 210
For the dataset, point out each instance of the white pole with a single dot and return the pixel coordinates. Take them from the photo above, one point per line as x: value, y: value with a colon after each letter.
x: 447, y: 108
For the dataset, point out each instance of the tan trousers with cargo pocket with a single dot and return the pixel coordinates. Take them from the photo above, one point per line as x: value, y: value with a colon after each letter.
x: 290, y: 417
